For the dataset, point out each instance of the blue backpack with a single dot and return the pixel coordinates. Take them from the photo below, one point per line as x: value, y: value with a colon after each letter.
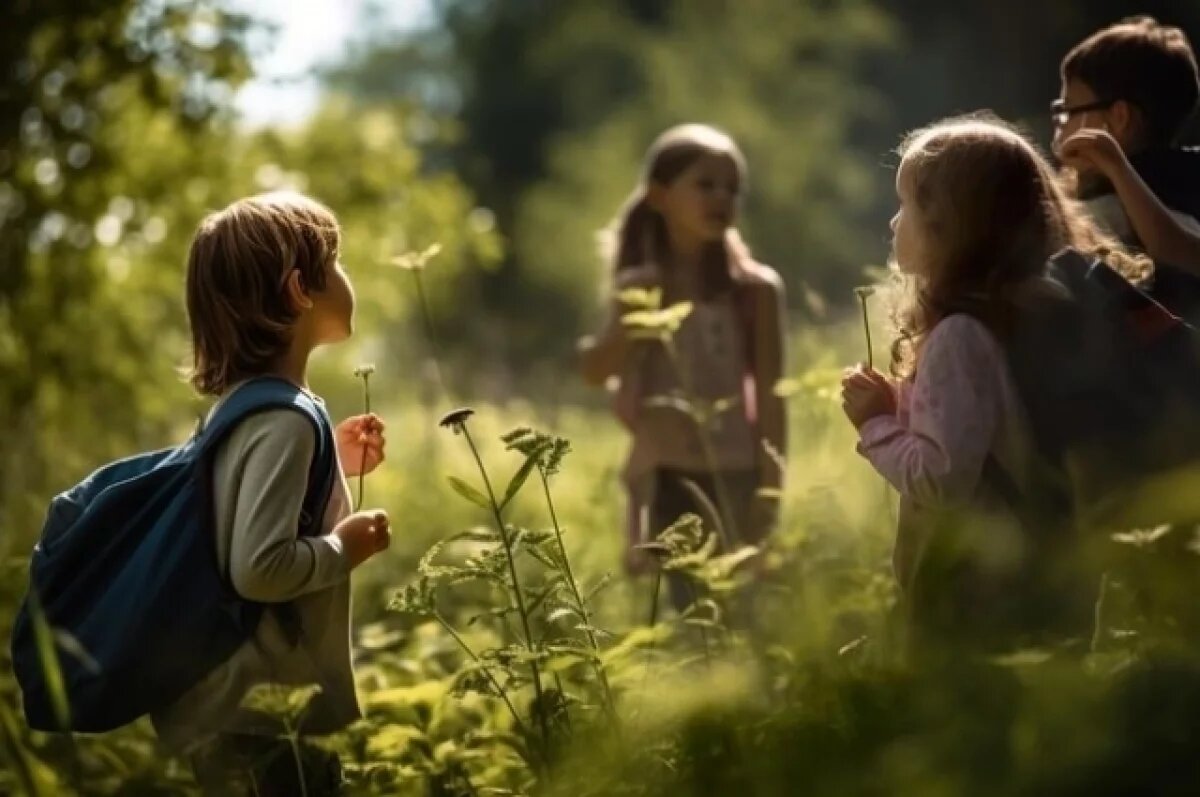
x: 126, y: 572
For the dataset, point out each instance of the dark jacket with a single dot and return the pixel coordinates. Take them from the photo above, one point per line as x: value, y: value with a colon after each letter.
x: 1174, y: 176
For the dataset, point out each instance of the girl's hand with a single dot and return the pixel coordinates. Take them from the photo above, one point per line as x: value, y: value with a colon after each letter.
x: 866, y: 394
x: 360, y: 443
x: 1092, y: 149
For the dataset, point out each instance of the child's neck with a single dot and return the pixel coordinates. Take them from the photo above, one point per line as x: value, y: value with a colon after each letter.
x: 293, y: 364
x: 686, y: 251
x: 687, y: 257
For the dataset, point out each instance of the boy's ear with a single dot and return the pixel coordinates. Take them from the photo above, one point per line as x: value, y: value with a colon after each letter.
x: 297, y: 295
x: 1125, y: 120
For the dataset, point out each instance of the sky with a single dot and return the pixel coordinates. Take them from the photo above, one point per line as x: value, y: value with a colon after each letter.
x: 283, y: 92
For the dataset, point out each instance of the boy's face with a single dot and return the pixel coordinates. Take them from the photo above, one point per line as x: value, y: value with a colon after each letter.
x: 333, y: 307
x: 1076, y: 115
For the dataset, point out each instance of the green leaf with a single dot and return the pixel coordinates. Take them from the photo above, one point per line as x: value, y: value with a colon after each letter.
x: 787, y: 387
x: 595, y: 589
x: 561, y: 613
x: 426, y: 565
x: 547, y: 555
x: 43, y: 636
x: 550, y: 587
x: 1029, y: 657
x: 518, y: 479
x: 16, y: 753
x: 641, y: 298
x: 490, y: 614
x: 634, y: 641
x: 286, y: 703
x: 470, y: 493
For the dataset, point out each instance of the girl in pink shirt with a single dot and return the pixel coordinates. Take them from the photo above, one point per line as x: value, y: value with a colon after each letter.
x: 981, y: 212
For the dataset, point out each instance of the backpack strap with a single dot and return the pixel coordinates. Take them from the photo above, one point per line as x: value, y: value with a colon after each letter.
x: 260, y: 395
x: 269, y: 393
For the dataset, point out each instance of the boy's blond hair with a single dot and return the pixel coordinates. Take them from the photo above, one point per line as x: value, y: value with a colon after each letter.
x: 237, y: 271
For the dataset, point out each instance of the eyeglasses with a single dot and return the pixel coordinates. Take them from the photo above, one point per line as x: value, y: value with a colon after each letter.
x: 1060, y: 112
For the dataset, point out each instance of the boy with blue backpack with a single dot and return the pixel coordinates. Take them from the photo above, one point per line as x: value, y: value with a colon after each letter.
x: 189, y: 576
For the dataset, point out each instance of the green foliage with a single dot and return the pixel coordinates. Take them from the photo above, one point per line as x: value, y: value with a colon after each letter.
x: 513, y: 660
x: 557, y: 102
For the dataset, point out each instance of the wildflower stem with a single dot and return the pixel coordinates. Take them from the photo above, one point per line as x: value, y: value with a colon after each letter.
x: 429, y: 336
x: 294, y: 743
x: 727, y: 527
x: 488, y: 673
x: 862, y: 299
x: 1098, y: 615
x: 512, y: 569
x: 691, y: 588
x: 362, y: 465
x: 658, y: 577
x: 609, y: 703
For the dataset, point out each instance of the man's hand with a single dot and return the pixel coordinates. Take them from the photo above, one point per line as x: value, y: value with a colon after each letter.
x: 1092, y: 149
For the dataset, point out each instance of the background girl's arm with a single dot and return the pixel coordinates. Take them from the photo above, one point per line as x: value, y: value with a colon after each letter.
x: 1163, y: 237
x: 770, y: 320
x: 954, y: 411
x: 602, y: 355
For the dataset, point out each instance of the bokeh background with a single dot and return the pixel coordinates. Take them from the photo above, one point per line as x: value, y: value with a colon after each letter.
x: 506, y: 132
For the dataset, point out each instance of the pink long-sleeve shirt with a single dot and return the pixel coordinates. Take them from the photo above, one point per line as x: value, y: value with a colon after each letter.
x: 961, y: 407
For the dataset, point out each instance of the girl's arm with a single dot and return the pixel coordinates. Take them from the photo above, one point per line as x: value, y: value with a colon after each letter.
x: 770, y: 321
x: 601, y: 355
x: 954, y: 411
x: 1160, y: 232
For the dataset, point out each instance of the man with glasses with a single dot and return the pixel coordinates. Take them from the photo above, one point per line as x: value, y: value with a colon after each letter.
x: 1137, y: 81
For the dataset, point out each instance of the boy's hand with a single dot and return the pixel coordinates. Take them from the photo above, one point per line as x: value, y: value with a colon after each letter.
x: 360, y: 443
x: 1092, y: 149
x: 866, y: 394
x: 363, y: 535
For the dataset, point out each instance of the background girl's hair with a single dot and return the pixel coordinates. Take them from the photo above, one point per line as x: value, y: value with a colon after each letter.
x: 237, y: 270
x: 993, y: 211
x: 638, y: 235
